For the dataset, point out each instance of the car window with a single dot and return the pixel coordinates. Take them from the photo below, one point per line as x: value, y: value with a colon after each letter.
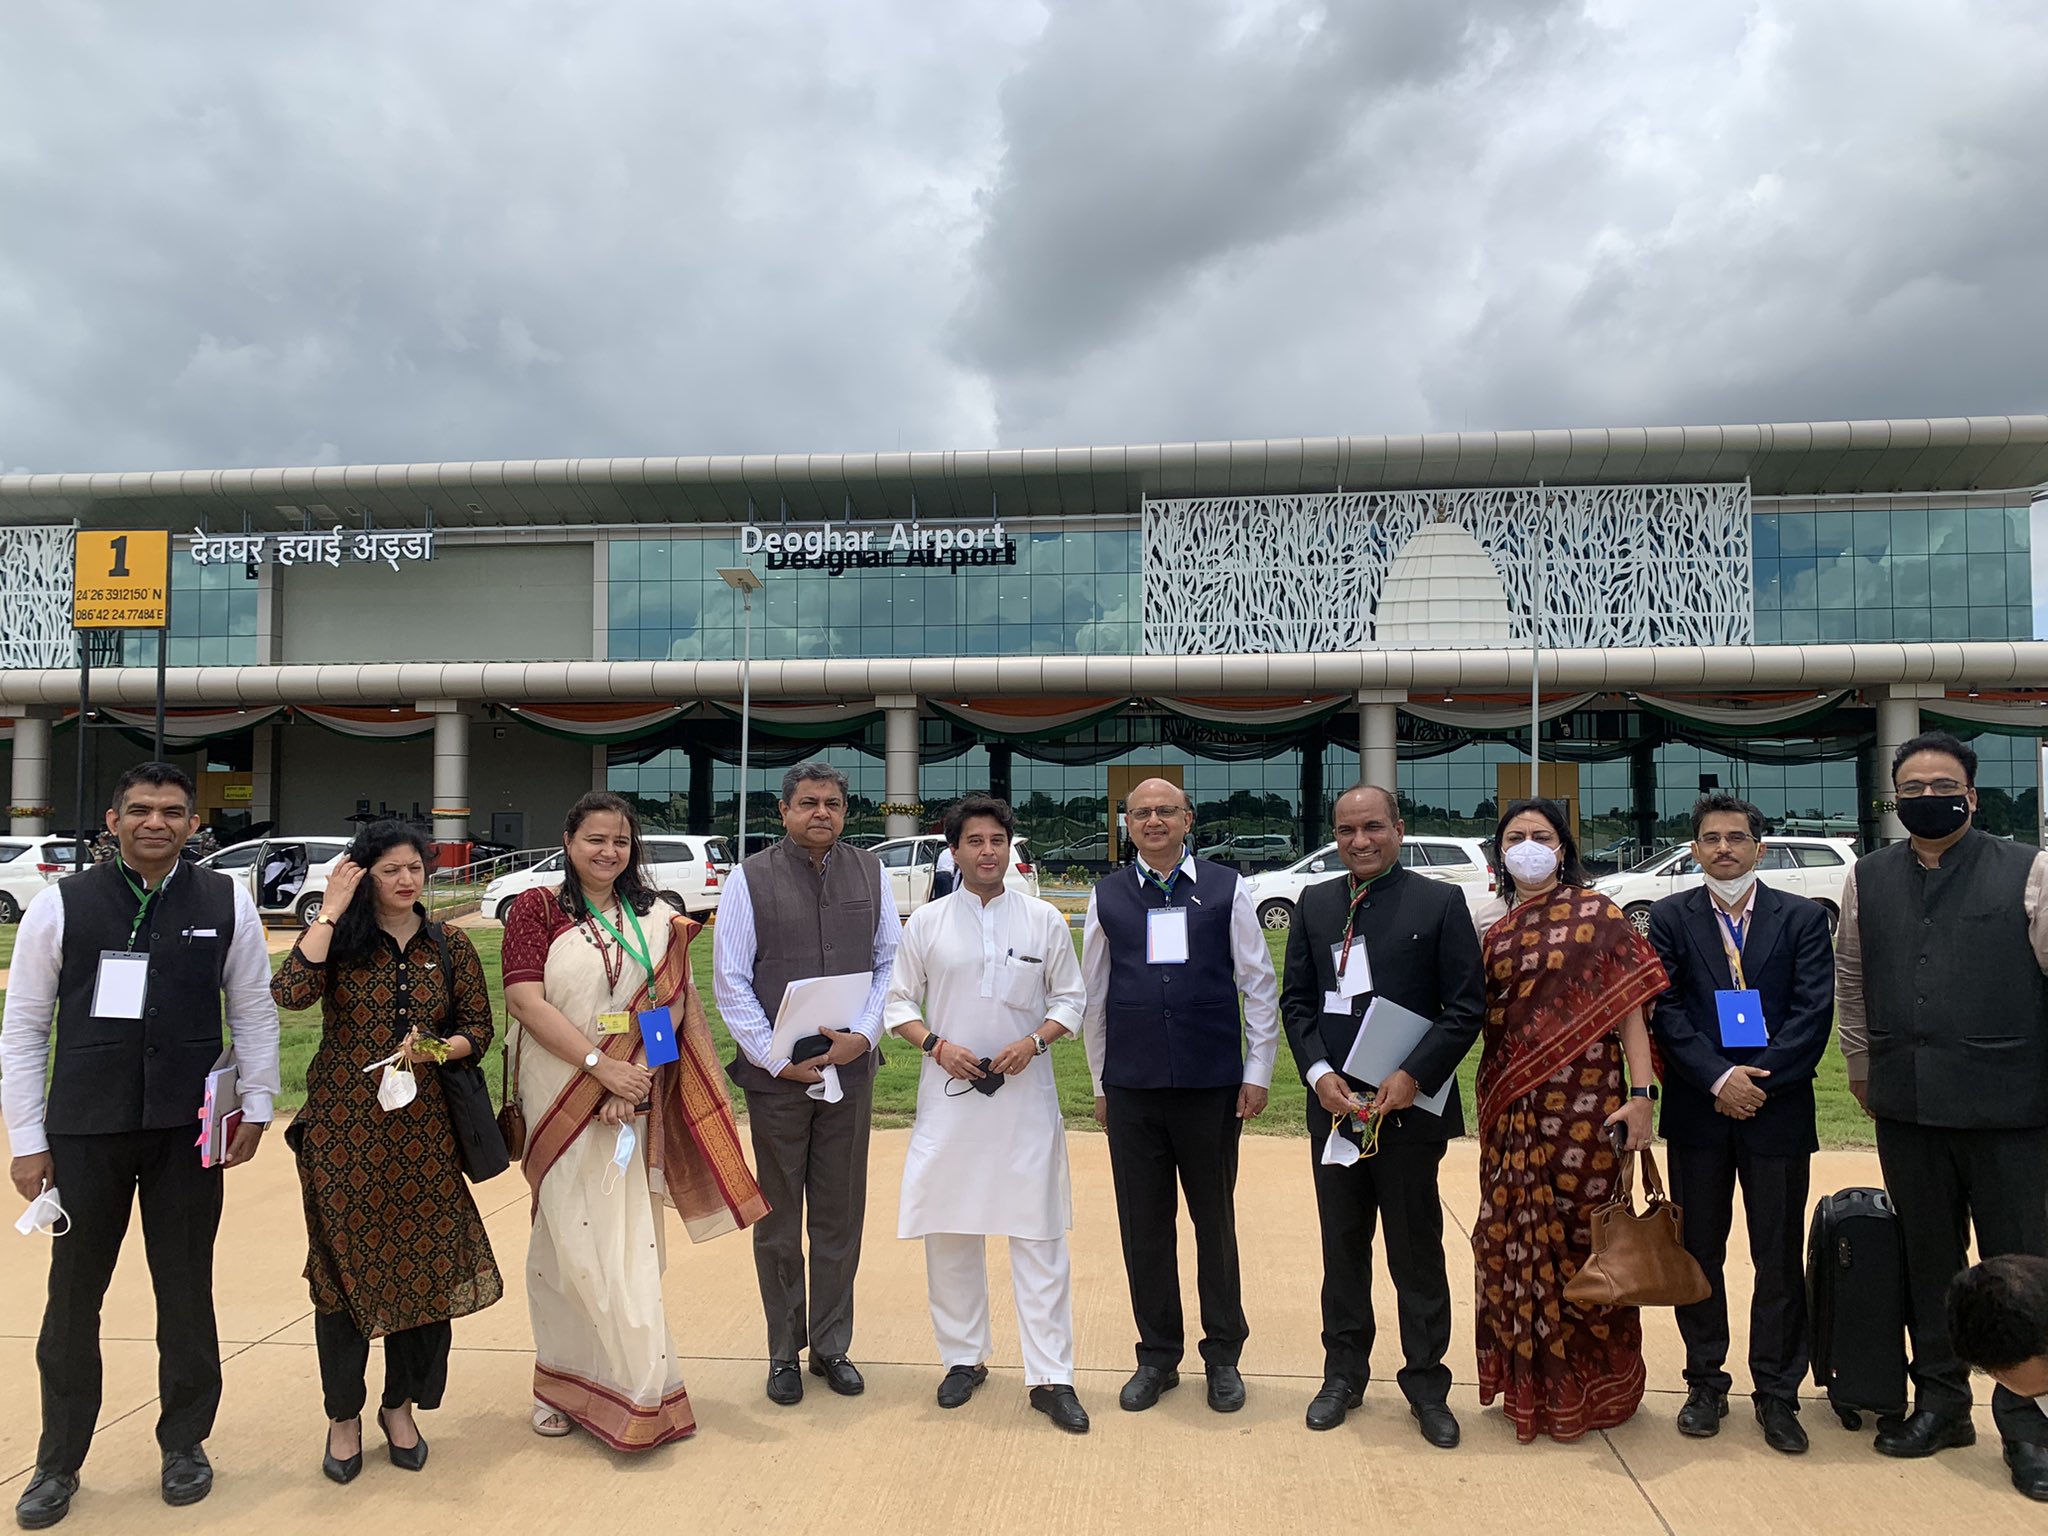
x: 319, y: 852
x: 897, y: 855
x: 1816, y: 856
x: 9, y: 852
x: 1412, y: 856
x: 1442, y: 855
x: 1685, y: 866
x: 238, y: 857
x: 717, y: 850
x: 667, y: 850
x: 1776, y: 858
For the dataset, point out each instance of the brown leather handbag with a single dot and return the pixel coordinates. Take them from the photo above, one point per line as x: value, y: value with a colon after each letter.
x: 1638, y: 1258
x: 511, y: 1117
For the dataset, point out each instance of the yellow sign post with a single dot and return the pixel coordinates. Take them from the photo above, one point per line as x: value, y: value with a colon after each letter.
x: 121, y: 580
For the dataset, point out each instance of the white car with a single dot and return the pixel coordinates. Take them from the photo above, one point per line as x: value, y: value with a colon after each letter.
x: 910, y: 863
x: 27, y: 864
x: 1460, y: 860
x: 286, y: 875
x: 689, y: 872
x: 1814, y: 867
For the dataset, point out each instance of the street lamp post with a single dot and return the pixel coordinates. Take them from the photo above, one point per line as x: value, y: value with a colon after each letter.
x: 741, y: 579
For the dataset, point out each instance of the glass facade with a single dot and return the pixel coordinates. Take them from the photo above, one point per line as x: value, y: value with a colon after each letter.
x: 213, y: 618
x: 1878, y: 570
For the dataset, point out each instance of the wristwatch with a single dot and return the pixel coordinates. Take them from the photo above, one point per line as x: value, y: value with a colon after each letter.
x: 590, y: 1062
x: 324, y: 918
x: 1649, y: 1093
x: 1039, y: 1043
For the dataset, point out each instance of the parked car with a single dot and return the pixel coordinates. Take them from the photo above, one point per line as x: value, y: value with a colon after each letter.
x: 1250, y: 848
x: 1460, y: 860
x: 1814, y: 867
x: 1087, y: 850
x: 285, y: 875
x: 27, y: 864
x: 688, y: 871
x: 910, y: 863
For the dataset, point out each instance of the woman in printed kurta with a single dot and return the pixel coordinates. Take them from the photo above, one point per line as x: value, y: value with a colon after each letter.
x: 1567, y: 977
x: 610, y: 1142
x: 395, y: 1247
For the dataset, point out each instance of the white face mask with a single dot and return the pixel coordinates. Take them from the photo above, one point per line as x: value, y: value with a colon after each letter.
x: 1731, y: 892
x: 42, y: 1215
x: 622, y: 1156
x: 1531, y: 863
x: 1339, y: 1151
x: 397, y: 1087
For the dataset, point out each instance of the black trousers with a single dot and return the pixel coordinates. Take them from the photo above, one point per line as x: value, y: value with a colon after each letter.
x: 1774, y: 1190
x: 1157, y: 1137
x: 1943, y: 1182
x: 98, y: 1179
x: 806, y: 1150
x: 1396, y: 1189
x: 415, y: 1364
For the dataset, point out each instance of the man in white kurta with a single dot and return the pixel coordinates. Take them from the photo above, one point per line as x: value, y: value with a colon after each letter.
x: 986, y: 979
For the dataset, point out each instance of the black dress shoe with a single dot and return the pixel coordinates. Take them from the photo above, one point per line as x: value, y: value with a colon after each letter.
x: 1439, y: 1425
x: 785, y: 1383
x: 1924, y: 1432
x: 839, y: 1374
x: 1700, y: 1418
x: 1059, y: 1404
x: 2029, y: 1465
x: 959, y: 1385
x: 46, y: 1499
x: 188, y: 1475
x: 335, y: 1467
x: 1327, y: 1408
x: 1226, y: 1388
x: 407, y: 1458
x: 1782, y: 1429
x: 1144, y: 1387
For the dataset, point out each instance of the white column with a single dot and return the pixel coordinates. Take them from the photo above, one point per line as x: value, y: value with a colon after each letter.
x: 899, y: 762
x: 1898, y: 722
x: 263, y: 749
x: 1379, y: 728
x: 29, y: 789
x: 451, y: 770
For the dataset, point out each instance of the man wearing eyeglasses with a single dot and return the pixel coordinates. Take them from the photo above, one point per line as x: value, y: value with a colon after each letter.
x: 1742, y: 1031
x: 1942, y: 978
x: 1167, y: 947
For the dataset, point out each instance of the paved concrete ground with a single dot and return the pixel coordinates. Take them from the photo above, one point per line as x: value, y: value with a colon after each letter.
x: 892, y: 1461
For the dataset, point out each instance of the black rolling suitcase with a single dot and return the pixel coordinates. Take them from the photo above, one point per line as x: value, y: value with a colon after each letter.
x: 1856, y: 1304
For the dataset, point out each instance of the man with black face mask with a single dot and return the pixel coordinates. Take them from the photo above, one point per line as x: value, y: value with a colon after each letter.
x: 1942, y: 985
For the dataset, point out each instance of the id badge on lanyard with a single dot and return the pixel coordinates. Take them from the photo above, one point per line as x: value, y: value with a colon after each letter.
x: 122, y: 984
x: 1166, y: 936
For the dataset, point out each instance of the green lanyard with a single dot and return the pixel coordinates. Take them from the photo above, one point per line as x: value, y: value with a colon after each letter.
x: 1165, y: 884
x: 643, y: 952
x: 143, y: 895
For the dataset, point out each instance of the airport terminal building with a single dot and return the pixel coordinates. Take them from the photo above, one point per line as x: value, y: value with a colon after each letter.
x: 1768, y: 609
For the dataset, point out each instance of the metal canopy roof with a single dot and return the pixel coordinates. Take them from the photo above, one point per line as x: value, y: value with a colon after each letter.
x: 1950, y: 454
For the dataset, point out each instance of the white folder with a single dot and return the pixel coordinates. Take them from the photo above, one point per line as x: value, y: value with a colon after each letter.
x: 1386, y: 1039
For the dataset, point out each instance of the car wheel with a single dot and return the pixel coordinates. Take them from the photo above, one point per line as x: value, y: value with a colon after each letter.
x: 1276, y: 916
x: 1834, y: 917
x: 505, y: 908
x: 1639, y: 914
x: 10, y: 909
x: 308, y: 909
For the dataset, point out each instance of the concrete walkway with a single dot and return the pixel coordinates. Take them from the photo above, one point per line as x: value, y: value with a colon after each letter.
x: 891, y: 1461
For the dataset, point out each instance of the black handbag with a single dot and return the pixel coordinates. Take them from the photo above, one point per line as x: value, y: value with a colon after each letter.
x: 477, y: 1138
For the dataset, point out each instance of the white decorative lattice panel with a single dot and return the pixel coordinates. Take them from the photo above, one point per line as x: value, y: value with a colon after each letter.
x: 1624, y: 565
x: 35, y: 597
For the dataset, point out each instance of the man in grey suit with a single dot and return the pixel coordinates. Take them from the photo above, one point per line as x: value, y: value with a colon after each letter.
x: 809, y: 905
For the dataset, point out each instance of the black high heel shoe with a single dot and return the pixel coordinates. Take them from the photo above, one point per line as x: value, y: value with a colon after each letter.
x: 336, y: 1469
x: 410, y: 1460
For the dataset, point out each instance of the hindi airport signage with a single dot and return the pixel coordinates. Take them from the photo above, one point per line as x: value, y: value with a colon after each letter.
x: 841, y: 547
x: 121, y: 579
x: 312, y: 548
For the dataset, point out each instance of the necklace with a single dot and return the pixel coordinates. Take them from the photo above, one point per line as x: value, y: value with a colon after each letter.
x: 613, y: 960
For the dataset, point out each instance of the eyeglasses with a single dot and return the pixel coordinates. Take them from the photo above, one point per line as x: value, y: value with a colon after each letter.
x: 1154, y: 812
x: 1735, y: 840
x: 1913, y: 789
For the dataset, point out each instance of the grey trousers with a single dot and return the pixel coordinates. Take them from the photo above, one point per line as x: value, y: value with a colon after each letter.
x: 807, y: 1151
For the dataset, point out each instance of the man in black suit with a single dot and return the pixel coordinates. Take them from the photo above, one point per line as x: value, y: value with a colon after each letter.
x: 1415, y: 941
x: 1738, y: 1104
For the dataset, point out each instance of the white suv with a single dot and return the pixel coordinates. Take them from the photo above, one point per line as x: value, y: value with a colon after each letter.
x: 1814, y: 867
x: 689, y: 872
x: 910, y: 863
x: 1460, y: 860
x: 27, y: 864
x: 287, y: 876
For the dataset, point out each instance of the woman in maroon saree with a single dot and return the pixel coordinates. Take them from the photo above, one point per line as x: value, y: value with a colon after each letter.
x: 1567, y: 978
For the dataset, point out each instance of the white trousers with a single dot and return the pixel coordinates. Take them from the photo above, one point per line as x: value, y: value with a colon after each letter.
x: 956, y: 1276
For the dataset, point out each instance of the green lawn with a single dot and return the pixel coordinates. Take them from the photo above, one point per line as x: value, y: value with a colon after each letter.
x: 1842, y: 1124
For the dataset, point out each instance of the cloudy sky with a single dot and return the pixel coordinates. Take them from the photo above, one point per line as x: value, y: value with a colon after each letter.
x: 241, y: 232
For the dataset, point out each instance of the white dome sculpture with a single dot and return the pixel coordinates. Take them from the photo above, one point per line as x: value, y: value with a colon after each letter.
x: 1443, y: 592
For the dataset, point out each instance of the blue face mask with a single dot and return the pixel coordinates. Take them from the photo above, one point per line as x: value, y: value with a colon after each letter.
x: 622, y: 1156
